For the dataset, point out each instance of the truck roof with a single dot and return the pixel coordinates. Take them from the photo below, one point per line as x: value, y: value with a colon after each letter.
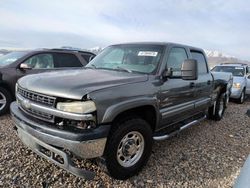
x: 162, y: 44
x: 61, y: 50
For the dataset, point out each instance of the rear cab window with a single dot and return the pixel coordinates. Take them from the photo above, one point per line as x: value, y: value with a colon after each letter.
x: 201, y: 60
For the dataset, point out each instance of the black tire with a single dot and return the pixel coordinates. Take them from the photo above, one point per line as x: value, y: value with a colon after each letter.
x: 121, y: 130
x: 216, y: 113
x: 241, y: 100
x: 4, y: 95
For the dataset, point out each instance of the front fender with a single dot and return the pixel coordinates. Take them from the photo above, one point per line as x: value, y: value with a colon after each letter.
x: 114, y: 110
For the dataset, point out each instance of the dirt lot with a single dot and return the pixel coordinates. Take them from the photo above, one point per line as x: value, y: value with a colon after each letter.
x: 209, y: 154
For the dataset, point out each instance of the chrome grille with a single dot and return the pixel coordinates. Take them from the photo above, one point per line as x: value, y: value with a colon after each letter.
x: 39, y: 98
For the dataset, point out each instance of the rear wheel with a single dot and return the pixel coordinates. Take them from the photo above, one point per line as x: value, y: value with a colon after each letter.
x: 128, y: 148
x: 216, y: 111
x: 5, y: 100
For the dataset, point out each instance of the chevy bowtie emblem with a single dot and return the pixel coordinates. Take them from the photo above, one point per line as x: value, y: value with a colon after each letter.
x: 26, y: 103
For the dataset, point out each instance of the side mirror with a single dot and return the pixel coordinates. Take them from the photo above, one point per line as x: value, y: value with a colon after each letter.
x: 25, y: 66
x: 189, y: 69
x: 167, y: 73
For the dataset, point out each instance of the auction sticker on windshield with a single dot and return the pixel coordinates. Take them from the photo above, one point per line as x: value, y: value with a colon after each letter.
x: 147, y: 53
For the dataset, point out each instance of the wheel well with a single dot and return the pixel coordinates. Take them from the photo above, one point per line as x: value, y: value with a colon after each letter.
x: 147, y: 113
x: 6, y: 86
x: 223, y: 89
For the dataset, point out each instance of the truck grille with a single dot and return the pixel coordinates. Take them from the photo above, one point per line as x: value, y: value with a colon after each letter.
x: 39, y: 115
x: 38, y: 98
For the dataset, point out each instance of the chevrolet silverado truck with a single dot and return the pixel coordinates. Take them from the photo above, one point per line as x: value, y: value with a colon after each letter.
x: 128, y: 96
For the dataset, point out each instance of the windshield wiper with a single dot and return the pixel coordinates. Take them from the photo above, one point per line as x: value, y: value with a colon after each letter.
x: 92, y: 66
x: 125, y: 69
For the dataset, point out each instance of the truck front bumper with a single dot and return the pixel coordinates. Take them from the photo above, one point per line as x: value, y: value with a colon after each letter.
x: 235, y: 93
x: 44, y: 140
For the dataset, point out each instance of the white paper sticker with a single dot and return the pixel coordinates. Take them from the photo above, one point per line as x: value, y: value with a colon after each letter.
x: 147, y: 53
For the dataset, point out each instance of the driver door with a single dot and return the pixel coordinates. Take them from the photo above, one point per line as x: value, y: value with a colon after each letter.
x: 177, y: 95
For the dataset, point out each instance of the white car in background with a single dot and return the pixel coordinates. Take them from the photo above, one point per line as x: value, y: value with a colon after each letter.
x: 241, y: 79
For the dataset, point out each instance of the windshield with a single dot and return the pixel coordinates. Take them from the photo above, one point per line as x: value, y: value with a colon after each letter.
x: 236, y: 71
x: 10, y: 58
x: 129, y: 58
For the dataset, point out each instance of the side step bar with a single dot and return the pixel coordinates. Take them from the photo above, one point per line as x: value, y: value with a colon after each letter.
x: 164, y: 137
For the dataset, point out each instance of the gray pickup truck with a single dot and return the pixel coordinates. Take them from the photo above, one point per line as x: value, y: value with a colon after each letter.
x: 128, y: 96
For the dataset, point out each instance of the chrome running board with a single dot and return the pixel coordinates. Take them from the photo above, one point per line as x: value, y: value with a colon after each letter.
x: 164, y: 137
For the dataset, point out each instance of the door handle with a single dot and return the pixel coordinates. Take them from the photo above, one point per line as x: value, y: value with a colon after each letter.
x: 208, y: 82
x: 192, y: 85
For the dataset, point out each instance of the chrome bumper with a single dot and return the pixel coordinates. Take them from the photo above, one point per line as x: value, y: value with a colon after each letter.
x: 235, y: 93
x: 40, y: 137
x: 90, y: 147
x: 51, y: 153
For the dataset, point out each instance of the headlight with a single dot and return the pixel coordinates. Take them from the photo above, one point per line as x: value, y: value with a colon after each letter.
x: 77, y: 107
x: 236, y: 85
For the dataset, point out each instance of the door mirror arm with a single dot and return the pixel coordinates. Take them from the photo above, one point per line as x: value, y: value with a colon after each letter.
x: 168, y: 72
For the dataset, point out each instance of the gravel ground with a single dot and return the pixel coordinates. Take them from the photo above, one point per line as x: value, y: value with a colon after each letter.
x: 209, y: 154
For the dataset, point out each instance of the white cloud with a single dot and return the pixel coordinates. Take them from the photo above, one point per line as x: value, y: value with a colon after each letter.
x: 218, y: 24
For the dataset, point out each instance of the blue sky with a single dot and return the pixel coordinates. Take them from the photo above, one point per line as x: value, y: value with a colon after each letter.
x: 214, y: 25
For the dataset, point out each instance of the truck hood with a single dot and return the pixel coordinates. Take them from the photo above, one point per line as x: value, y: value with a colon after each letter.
x: 74, y: 84
x: 226, y: 76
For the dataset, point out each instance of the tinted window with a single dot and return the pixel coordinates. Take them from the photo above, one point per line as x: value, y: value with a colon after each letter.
x: 175, y: 60
x: 66, y: 60
x: 202, y: 65
x: 41, y: 61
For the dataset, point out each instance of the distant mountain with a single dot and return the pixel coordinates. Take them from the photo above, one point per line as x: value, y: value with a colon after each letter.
x: 216, y: 57
x: 96, y: 49
x: 3, y: 51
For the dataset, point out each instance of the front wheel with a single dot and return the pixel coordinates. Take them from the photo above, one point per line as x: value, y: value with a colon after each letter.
x: 5, y: 100
x: 128, y: 148
x: 242, y: 97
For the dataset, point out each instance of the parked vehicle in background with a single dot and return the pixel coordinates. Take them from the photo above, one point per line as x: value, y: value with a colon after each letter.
x: 226, y: 77
x: 241, y: 79
x: 127, y: 96
x: 243, y: 180
x: 17, y: 64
